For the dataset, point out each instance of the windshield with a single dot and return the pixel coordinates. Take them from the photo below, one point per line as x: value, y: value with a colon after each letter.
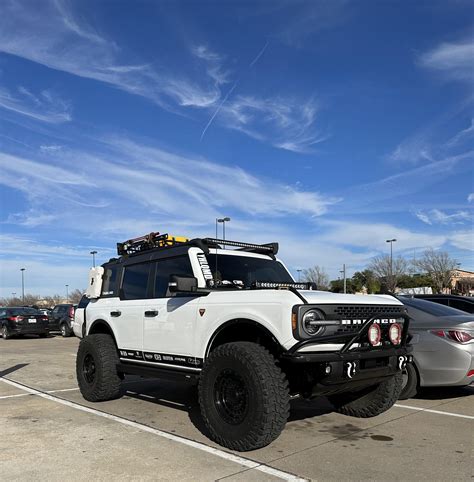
x: 431, y: 308
x: 247, y: 269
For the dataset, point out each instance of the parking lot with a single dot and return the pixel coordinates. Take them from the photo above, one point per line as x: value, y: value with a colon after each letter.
x: 155, y: 431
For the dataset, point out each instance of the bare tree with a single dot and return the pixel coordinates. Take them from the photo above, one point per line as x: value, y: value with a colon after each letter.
x: 388, y: 273
x: 75, y: 296
x: 439, y: 266
x: 317, y: 275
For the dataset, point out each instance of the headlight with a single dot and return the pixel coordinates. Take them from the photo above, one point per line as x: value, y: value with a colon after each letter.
x: 310, y: 322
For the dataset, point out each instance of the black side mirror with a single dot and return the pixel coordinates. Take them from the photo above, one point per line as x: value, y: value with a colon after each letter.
x: 182, y: 284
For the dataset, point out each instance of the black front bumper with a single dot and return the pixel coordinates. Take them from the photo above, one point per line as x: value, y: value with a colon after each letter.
x: 348, y: 369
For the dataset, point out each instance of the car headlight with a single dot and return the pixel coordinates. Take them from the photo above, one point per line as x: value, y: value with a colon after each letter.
x: 311, y: 321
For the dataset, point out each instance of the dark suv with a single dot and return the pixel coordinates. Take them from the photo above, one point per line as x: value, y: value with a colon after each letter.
x: 61, y: 318
x: 462, y: 303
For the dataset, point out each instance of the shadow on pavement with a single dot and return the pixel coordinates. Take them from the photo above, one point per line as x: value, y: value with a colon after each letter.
x: 12, y: 369
x: 440, y: 393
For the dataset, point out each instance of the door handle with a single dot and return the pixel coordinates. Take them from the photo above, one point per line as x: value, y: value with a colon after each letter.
x: 151, y: 313
x: 115, y: 313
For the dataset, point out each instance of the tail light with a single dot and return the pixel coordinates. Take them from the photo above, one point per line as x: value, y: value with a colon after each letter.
x: 44, y: 318
x: 15, y: 318
x: 71, y: 312
x: 374, y: 334
x: 458, y: 336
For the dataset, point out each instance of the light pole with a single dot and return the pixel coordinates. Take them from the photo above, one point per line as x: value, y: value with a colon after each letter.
x: 299, y: 272
x: 13, y: 295
x: 223, y: 221
x: 391, y: 241
x: 67, y: 293
x: 22, y: 284
x: 343, y: 271
x: 93, y: 257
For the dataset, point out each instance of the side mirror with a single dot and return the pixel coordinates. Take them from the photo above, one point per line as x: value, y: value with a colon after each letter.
x: 182, y: 284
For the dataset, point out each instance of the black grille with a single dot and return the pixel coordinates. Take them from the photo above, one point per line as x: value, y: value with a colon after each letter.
x: 366, y: 311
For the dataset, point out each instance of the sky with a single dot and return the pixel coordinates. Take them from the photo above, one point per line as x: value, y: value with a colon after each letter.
x: 329, y: 126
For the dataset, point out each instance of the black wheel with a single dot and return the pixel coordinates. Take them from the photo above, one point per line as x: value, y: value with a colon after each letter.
x: 5, y: 332
x: 410, y: 382
x: 243, y: 396
x: 371, y: 401
x: 96, y: 368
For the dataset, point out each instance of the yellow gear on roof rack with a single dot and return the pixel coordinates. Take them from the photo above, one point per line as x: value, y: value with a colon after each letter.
x: 149, y: 241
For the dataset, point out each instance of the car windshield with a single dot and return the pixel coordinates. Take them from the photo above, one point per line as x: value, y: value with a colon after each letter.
x: 431, y: 308
x: 247, y: 269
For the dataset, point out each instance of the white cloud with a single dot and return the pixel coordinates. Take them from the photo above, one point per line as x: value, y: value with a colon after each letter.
x: 455, y: 60
x: 470, y: 198
x: 436, y: 216
x: 45, y: 107
x: 463, y: 240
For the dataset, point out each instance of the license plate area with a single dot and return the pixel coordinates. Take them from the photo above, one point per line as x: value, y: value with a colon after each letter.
x: 31, y: 320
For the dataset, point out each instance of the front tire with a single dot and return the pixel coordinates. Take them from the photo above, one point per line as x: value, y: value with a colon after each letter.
x: 96, y: 368
x: 369, y: 402
x: 410, y: 382
x: 243, y: 396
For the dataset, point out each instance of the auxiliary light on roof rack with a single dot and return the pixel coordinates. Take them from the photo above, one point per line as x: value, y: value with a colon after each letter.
x: 270, y: 248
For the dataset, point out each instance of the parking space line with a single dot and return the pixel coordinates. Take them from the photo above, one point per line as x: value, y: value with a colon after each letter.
x: 29, y: 394
x: 250, y: 464
x: 438, y: 412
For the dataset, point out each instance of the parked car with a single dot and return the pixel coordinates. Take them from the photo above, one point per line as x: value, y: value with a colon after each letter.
x: 443, y: 346
x: 61, y: 318
x: 463, y: 303
x: 22, y: 321
x: 78, y: 324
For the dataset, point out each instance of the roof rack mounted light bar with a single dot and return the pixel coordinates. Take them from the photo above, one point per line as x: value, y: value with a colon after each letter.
x: 270, y: 248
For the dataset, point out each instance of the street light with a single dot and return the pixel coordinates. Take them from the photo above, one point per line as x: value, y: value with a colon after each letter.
x: 299, y: 271
x: 343, y: 272
x: 223, y: 221
x: 391, y: 241
x: 93, y: 257
x: 22, y: 284
x: 67, y: 293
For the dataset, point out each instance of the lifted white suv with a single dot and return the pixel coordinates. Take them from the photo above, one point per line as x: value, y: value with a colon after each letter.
x: 235, y: 322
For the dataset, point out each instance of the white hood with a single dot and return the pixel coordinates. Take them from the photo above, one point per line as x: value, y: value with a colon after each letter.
x: 327, y: 297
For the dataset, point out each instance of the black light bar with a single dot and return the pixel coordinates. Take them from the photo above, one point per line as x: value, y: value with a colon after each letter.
x: 282, y: 286
x: 270, y: 248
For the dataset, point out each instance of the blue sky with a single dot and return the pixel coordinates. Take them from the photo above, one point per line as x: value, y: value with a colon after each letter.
x: 328, y: 126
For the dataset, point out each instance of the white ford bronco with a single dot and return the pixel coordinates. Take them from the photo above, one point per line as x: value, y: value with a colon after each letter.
x: 235, y: 322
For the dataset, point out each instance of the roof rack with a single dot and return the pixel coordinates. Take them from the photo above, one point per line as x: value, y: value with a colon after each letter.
x: 147, y: 242
x: 157, y: 240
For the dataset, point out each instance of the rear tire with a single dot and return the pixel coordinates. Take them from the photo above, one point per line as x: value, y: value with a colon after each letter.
x: 65, y: 331
x: 5, y: 333
x: 369, y: 402
x: 96, y: 368
x: 410, y: 382
x: 243, y: 396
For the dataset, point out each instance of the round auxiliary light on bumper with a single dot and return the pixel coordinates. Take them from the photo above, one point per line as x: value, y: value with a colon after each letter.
x: 395, y: 333
x: 374, y: 334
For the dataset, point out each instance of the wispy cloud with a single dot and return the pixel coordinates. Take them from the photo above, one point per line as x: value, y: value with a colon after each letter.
x: 45, y: 106
x: 453, y: 59
x: 436, y: 216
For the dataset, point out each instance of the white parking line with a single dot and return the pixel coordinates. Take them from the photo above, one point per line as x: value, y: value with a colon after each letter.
x: 29, y: 394
x: 449, y: 414
x: 250, y: 464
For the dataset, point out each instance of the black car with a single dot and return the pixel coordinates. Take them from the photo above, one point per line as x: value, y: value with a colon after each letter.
x: 462, y: 303
x: 61, y: 318
x: 23, y: 321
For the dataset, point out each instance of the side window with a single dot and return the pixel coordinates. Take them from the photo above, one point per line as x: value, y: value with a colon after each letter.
x: 166, y: 267
x: 135, y: 281
x: 84, y: 302
x: 61, y: 310
x: 461, y: 305
x: 109, y: 281
x: 440, y: 301
x: 3, y: 313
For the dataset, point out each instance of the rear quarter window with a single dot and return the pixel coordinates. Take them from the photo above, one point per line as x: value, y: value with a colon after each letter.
x: 109, y: 281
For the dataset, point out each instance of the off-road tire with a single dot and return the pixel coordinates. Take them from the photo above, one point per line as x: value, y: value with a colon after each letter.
x: 5, y: 333
x: 369, y: 402
x: 104, y: 383
x: 411, y: 387
x: 263, y: 392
